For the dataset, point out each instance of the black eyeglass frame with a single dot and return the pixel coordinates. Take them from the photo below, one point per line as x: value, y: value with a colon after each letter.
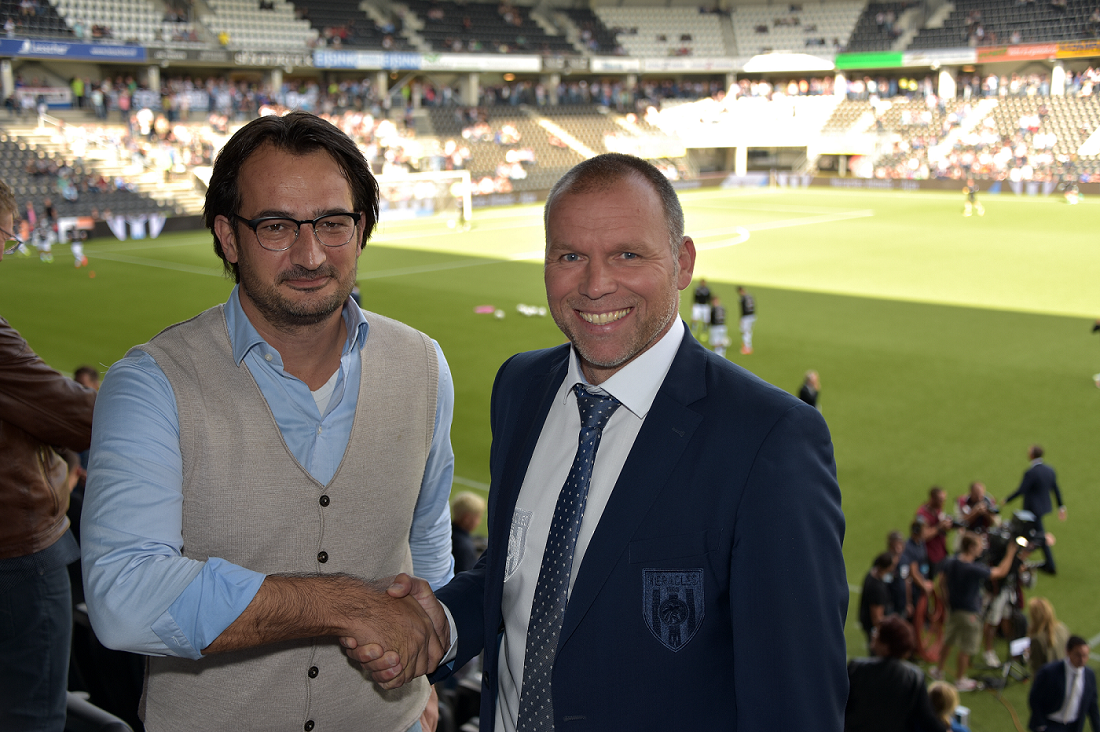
x: 254, y: 223
x: 11, y: 236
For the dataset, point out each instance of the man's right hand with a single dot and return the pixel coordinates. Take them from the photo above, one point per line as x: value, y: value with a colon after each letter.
x: 393, y: 668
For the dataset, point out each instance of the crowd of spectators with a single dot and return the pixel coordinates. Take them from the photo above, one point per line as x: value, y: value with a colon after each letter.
x: 903, y: 608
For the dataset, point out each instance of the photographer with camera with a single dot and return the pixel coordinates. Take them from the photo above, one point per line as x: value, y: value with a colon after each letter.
x: 1006, y: 594
x: 960, y: 579
x: 977, y: 509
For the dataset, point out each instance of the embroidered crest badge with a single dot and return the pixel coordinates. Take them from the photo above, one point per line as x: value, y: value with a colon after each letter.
x: 672, y: 603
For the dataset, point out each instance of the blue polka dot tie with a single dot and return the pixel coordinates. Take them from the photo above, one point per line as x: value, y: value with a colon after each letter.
x: 536, y: 707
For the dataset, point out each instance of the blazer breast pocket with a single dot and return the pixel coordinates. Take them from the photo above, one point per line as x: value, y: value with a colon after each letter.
x: 675, y: 546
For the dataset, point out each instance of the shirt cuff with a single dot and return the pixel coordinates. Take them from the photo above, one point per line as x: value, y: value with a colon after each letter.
x: 207, y: 606
x: 453, y: 650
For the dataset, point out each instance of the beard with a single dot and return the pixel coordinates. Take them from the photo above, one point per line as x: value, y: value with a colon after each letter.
x: 286, y: 314
x: 628, y: 345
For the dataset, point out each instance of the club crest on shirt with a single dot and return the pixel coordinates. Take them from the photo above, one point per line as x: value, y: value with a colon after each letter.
x: 672, y: 603
x: 517, y: 540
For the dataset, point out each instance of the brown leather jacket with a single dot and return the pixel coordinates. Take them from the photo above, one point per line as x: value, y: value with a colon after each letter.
x: 41, y: 412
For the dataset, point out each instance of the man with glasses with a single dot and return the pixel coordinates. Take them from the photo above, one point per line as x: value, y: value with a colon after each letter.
x: 255, y: 467
x: 45, y: 419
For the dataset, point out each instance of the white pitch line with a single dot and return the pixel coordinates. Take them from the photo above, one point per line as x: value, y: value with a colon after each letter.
x: 470, y: 483
x: 190, y: 269
x: 425, y: 269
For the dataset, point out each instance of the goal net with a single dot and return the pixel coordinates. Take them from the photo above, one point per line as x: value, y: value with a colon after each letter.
x: 412, y: 195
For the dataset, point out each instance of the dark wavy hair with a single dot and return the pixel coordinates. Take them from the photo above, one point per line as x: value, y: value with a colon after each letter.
x: 298, y: 133
x: 897, y: 636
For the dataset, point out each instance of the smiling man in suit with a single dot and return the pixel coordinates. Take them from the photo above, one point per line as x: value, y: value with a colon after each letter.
x: 676, y: 566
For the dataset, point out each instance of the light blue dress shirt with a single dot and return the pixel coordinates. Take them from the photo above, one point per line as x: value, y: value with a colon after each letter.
x: 142, y: 594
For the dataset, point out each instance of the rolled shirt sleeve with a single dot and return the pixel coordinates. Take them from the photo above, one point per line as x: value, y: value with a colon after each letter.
x: 430, y: 534
x: 143, y: 594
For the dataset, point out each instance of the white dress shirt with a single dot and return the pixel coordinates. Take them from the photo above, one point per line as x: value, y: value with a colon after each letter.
x: 1075, y: 689
x: 635, y: 386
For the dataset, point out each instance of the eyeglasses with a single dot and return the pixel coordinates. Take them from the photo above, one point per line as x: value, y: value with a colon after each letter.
x: 9, y: 236
x: 278, y: 233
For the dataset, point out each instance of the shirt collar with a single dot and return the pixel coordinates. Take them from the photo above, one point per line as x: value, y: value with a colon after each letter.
x: 244, y: 337
x: 637, y: 383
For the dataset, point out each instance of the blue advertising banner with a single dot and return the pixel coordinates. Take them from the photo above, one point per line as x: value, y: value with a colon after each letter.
x: 77, y: 51
x: 366, y: 60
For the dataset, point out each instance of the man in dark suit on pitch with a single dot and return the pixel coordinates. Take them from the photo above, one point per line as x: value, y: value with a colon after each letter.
x: 703, y: 579
x: 1036, y: 486
x: 1063, y: 693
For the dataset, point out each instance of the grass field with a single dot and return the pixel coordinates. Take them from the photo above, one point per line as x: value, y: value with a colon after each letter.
x: 945, y: 344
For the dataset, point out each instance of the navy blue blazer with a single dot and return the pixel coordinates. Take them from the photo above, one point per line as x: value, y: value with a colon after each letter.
x: 1035, y: 487
x: 713, y: 592
x: 1048, y: 694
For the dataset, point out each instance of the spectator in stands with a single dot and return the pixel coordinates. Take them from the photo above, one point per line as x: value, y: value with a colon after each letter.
x: 45, y: 420
x: 886, y: 692
x: 945, y: 700
x: 467, y: 508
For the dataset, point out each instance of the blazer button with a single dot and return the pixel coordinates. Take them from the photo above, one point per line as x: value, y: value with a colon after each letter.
x: 322, y: 557
x: 323, y: 501
x: 313, y: 671
x: 308, y: 726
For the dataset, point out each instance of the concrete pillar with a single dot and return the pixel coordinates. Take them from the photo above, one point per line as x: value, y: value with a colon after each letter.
x: 842, y: 165
x: 741, y: 160
x: 416, y: 95
x: 468, y: 89
x: 275, y: 83
x: 381, y: 84
x: 7, y: 79
x: 1058, y: 79
x: 152, y: 78
x: 731, y: 79
x: 840, y: 84
x: 551, y: 81
x: 948, y: 87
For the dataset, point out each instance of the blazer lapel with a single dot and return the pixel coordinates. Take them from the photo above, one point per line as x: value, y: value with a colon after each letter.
x: 527, y: 427
x: 668, y: 428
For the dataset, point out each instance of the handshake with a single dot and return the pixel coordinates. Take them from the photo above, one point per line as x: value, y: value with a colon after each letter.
x: 406, y: 636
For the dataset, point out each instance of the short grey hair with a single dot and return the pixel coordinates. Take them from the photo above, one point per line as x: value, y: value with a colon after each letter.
x: 603, y: 171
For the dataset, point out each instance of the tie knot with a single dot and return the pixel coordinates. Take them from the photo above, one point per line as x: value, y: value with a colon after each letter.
x: 595, y: 409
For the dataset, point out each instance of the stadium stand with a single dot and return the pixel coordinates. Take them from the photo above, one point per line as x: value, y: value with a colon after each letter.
x: 241, y: 24
x: 339, y: 26
x: 878, y: 27
x: 595, y: 37
x: 766, y: 28
x: 660, y: 31
x: 35, y: 18
x: 995, y: 22
x: 482, y: 28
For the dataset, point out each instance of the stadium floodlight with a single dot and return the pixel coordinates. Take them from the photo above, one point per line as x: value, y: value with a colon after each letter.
x: 781, y: 61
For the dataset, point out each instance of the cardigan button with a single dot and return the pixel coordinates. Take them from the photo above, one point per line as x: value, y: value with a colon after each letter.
x: 313, y: 671
x: 322, y: 557
x: 324, y: 501
x: 308, y: 726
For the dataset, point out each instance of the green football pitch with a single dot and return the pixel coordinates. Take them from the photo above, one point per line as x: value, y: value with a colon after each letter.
x: 946, y: 345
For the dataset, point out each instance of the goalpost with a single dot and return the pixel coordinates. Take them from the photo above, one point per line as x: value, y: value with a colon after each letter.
x: 412, y: 195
